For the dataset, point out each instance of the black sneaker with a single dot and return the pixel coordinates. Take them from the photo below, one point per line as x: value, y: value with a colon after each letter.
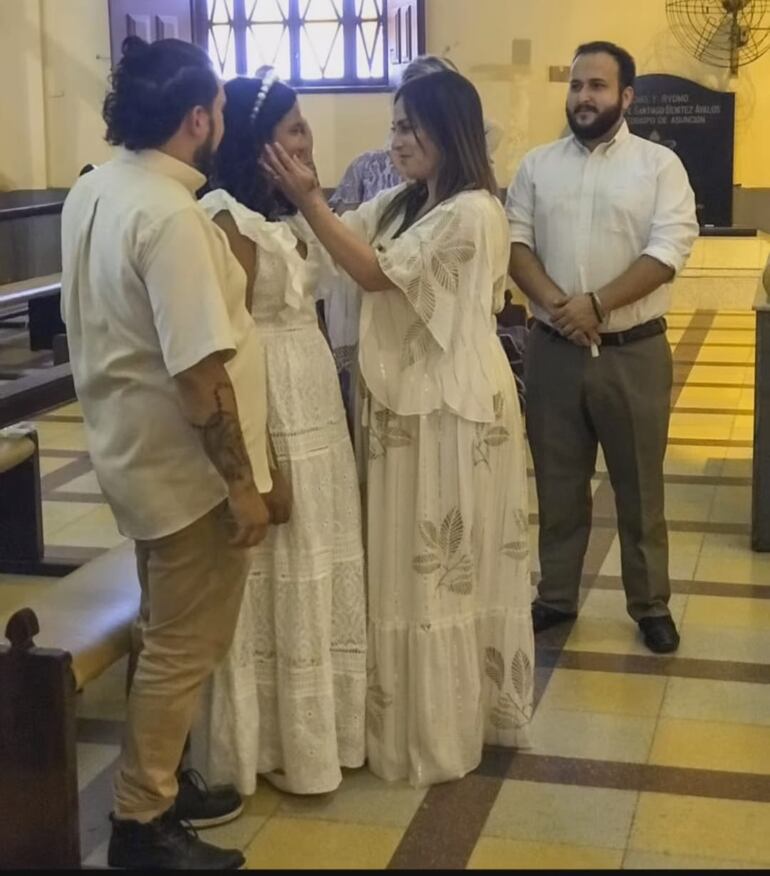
x: 202, y: 806
x: 165, y: 844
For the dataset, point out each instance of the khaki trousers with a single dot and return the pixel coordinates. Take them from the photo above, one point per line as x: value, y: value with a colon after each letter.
x: 192, y: 584
x: 620, y: 400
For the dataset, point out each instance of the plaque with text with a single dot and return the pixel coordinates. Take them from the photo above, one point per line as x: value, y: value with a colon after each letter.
x: 699, y: 125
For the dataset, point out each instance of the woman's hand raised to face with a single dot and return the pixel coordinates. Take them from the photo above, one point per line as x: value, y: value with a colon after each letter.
x: 296, y: 180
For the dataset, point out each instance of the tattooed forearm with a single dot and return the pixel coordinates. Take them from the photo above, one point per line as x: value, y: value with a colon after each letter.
x: 223, y: 439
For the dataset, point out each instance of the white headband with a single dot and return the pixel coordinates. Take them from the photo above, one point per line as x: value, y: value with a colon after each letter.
x: 269, y: 80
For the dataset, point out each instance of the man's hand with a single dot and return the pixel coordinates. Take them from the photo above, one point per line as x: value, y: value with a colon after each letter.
x: 279, y: 499
x: 250, y: 516
x: 576, y: 319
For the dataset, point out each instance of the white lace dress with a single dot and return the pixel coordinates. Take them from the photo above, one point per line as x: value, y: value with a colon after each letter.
x: 290, y: 697
x: 451, y: 650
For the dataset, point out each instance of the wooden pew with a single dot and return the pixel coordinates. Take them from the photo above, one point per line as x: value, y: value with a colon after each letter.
x: 21, y: 507
x: 42, y: 390
x: 22, y: 549
x: 59, y: 641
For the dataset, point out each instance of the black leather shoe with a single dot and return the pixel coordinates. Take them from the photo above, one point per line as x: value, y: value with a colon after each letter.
x: 543, y: 617
x: 202, y: 806
x: 165, y: 844
x: 660, y: 634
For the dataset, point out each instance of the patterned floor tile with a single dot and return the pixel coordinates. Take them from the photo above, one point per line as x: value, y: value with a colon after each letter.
x: 724, y: 701
x: 293, y: 843
x: 362, y: 798
x: 493, y: 853
x: 651, y: 861
x: 92, y: 759
x: 542, y: 813
x: 708, y: 745
x: 593, y: 735
x: 730, y: 558
x: 723, y: 829
x: 604, y: 692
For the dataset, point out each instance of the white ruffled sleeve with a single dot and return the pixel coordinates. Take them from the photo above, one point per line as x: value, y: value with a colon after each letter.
x: 429, y: 341
x: 272, y: 237
x: 428, y: 264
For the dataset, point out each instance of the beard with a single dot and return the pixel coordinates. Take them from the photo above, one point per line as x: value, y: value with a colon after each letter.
x: 203, y: 159
x: 601, y: 125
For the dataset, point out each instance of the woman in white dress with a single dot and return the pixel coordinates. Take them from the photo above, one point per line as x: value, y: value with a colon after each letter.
x: 368, y: 175
x: 450, y: 647
x: 289, y: 701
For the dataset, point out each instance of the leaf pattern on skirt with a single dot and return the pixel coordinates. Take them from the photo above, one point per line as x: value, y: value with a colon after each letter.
x: 521, y: 674
x: 490, y: 435
x: 386, y: 431
x: 508, y: 714
x: 443, y: 556
x: 518, y: 548
x: 377, y: 703
x: 495, y: 667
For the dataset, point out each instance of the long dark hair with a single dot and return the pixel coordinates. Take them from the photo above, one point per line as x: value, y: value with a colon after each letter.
x: 236, y: 167
x: 448, y: 107
x: 153, y: 88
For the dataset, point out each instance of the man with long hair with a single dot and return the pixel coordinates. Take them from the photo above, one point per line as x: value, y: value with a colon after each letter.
x: 600, y: 223
x: 167, y: 365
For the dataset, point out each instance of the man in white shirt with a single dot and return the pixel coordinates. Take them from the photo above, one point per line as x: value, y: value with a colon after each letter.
x: 169, y: 371
x: 600, y: 222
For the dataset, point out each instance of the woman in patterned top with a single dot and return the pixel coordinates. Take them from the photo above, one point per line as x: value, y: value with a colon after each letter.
x: 450, y: 646
x: 368, y: 175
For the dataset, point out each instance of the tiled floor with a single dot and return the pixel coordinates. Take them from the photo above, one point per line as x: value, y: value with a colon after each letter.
x: 637, y: 761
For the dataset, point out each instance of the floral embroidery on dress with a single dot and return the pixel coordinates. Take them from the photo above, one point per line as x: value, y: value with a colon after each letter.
x: 377, y: 702
x: 444, y: 555
x: 490, y: 435
x: 385, y: 432
x: 508, y: 714
x: 518, y: 548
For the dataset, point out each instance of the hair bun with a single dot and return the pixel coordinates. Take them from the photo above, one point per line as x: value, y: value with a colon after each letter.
x: 134, y: 46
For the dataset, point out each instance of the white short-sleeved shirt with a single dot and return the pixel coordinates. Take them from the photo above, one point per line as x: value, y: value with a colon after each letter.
x: 589, y: 216
x: 149, y: 289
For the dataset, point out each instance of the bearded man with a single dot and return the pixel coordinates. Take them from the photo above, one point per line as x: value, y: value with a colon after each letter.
x: 601, y: 221
x: 169, y: 370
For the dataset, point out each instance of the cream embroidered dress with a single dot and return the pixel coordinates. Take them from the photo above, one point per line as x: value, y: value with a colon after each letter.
x: 291, y: 694
x: 450, y: 648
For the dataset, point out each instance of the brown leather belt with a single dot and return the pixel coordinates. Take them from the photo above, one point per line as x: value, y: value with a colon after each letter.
x: 618, y: 339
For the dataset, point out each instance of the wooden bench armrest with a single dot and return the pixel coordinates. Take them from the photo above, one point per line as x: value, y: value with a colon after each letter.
x: 82, y: 624
x: 14, y: 451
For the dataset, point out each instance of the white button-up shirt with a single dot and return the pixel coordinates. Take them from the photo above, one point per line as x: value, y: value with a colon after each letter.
x: 589, y: 216
x: 149, y: 289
